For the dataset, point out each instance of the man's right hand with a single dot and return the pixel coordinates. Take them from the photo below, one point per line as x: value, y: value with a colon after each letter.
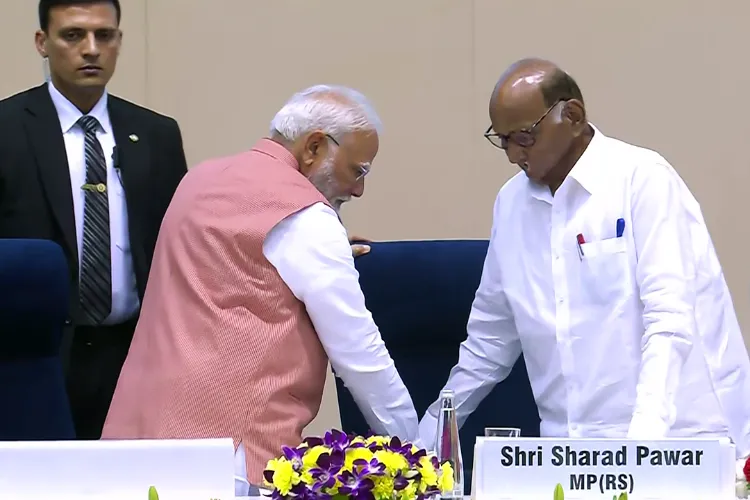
x: 427, y: 432
x: 359, y: 246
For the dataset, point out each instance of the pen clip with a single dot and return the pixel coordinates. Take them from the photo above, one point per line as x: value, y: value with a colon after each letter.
x: 620, y: 227
x: 580, y: 240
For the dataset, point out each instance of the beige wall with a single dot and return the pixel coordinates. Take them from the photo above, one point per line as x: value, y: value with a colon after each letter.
x: 669, y: 74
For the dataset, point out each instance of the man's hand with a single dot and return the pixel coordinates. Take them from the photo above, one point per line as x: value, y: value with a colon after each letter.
x: 359, y: 245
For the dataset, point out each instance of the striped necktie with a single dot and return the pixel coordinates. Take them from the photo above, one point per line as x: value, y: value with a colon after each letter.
x: 95, y: 287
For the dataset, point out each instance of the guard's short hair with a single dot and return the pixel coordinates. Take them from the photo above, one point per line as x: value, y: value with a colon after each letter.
x: 46, y: 5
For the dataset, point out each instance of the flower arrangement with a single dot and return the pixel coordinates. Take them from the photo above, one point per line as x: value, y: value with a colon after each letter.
x: 742, y: 479
x: 340, y: 466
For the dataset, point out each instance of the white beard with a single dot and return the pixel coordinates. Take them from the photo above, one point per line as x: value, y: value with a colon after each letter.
x: 324, y: 181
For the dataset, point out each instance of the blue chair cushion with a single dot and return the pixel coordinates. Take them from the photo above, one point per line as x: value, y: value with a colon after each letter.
x: 35, y: 402
x: 36, y: 286
x: 34, y: 277
x: 420, y: 294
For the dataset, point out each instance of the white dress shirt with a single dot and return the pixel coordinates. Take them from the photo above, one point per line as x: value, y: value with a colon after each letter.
x: 311, y: 252
x: 719, y: 333
x: 608, y: 330
x: 125, y: 302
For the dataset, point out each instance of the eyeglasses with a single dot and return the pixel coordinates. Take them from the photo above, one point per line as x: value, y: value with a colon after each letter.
x: 525, y: 137
x: 360, y: 169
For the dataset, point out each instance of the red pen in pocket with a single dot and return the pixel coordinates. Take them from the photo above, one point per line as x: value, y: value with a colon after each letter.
x: 581, y: 242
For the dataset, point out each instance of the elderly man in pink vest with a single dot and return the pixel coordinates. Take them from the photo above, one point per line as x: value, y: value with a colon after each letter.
x: 253, y: 290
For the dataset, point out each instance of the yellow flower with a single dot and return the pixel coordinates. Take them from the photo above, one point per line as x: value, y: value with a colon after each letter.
x: 306, y: 477
x: 358, y: 439
x: 408, y: 493
x: 353, y: 454
x: 310, y: 458
x: 429, y: 474
x: 381, y: 440
x: 393, y: 462
x: 383, y: 489
x: 445, y: 481
x: 284, y: 476
x: 271, y: 465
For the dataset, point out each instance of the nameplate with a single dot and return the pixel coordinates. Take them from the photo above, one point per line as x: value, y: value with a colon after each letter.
x: 531, y: 468
x: 180, y: 469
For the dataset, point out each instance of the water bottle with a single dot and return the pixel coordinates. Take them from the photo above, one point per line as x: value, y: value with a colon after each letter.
x: 448, y: 446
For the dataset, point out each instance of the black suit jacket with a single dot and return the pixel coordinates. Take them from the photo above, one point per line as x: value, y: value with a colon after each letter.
x: 35, y: 193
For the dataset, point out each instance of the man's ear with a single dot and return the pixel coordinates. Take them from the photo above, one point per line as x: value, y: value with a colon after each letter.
x: 574, y: 112
x: 314, y: 149
x: 40, y: 42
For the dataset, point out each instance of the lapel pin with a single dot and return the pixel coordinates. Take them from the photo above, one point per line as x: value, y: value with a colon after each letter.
x: 133, y: 138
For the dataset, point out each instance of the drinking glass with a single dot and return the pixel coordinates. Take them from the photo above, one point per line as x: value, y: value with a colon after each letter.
x: 511, y: 432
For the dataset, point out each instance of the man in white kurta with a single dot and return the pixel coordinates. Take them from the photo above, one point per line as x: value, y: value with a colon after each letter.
x: 601, y: 271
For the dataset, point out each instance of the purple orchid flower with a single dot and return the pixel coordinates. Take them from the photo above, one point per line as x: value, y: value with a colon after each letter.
x: 298, y: 492
x: 333, y: 460
x: 312, y: 441
x: 414, y: 457
x: 268, y: 475
x: 275, y: 495
x: 328, y: 465
x: 430, y: 492
x: 373, y: 447
x: 395, y: 445
x: 324, y: 480
x: 303, y: 492
x: 336, y: 440
x: 294, y: 455
x: 371, y: 468
x: 400, y: 481
x: 356, y: 486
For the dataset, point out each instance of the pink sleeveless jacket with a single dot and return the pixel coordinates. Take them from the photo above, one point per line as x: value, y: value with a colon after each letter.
x: 222, y: 347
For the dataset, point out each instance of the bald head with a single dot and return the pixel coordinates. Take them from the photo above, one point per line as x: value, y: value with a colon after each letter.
x: 538, y: 117
x: 534, y: 81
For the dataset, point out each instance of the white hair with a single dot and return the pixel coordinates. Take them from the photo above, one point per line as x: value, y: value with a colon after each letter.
x: 332, y: 109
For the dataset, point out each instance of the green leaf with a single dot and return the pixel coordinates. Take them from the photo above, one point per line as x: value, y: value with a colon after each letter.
x: 623, y: 496
x: 152, y: 493
x: 559, y: 494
